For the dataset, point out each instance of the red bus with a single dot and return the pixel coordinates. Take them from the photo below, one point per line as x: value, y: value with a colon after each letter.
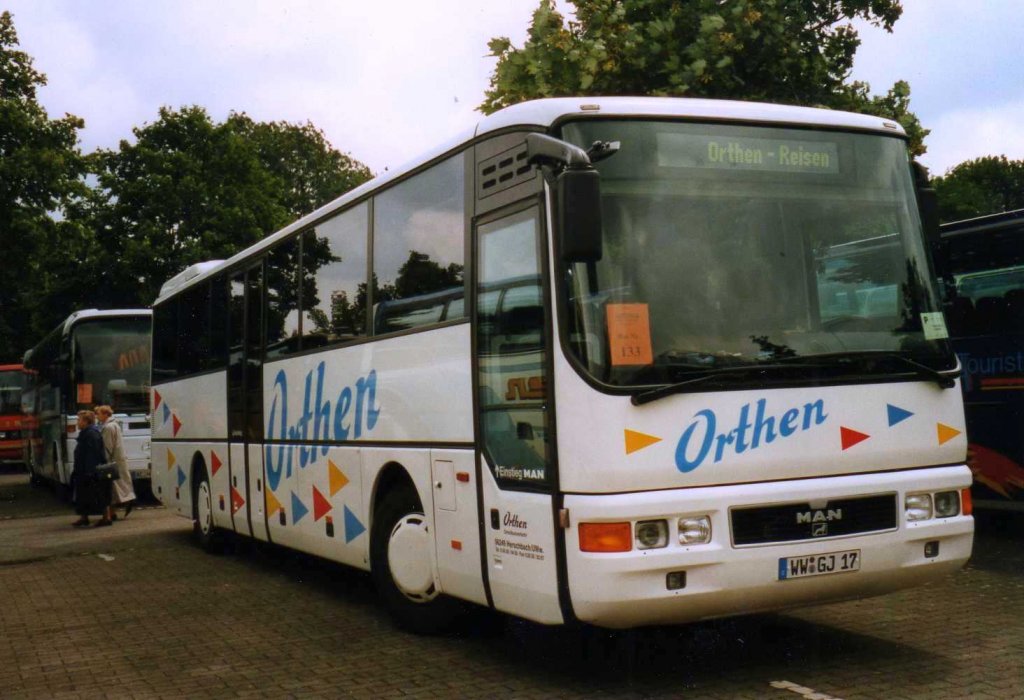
x: 12, y: 384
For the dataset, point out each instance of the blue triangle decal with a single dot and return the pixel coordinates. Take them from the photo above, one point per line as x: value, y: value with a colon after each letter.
x: 181, y: 477
x: 353, y: 528
x: 167, y: 412
x: 299, y: 510
x: 897, y: 414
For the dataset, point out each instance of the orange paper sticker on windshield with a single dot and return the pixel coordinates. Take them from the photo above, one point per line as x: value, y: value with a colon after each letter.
x: 85, y: 393
x: 629, y: 334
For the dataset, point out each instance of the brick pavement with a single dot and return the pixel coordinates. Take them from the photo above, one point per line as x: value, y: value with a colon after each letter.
x: 156, y: 617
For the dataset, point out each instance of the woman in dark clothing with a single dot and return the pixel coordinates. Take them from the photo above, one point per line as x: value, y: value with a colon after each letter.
x: 90, y: 495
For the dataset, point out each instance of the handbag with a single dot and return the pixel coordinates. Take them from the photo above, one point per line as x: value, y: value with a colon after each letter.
x: 107, y: 472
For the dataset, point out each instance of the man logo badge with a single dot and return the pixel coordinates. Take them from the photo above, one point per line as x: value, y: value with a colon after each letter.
x: 819, y: 529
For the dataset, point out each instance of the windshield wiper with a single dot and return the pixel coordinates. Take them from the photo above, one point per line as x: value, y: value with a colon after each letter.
x: 648, y: 395
x: 946, y: 380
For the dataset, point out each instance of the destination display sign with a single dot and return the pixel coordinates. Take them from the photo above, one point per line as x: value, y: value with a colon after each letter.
x: 741, y: 153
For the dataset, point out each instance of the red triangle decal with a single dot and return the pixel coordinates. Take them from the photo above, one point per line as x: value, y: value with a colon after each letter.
x: 321, y: 505
x: 237, y: 502
x: 177, y: 426
x: 215, y: 463
x: 156, y: 399
x: 851, y: 437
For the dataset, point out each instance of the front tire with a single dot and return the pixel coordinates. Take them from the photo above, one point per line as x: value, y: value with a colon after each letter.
x: 205, y: 534
x: 403, y: 569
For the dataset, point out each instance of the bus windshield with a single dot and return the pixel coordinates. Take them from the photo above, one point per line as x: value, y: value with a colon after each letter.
x: 111, y: 364
x: 727, y: 246
x: 12, y: 382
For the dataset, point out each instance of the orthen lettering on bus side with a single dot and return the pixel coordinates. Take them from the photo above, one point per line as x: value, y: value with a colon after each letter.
x: 702, y: 439
x: 321, y: 419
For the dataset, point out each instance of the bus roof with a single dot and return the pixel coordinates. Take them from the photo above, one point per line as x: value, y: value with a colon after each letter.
x: 540, y: 115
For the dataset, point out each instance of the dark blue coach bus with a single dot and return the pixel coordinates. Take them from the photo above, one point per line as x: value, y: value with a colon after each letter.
x: 981, y: 262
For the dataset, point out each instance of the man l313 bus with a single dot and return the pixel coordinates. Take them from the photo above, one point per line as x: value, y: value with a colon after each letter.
x: 620, y: 361
x: 92, y: 358
x: 982, y: 265
x: 12, y: 383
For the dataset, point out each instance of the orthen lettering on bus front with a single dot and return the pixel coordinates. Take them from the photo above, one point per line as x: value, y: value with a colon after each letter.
x: 702, y: 439
x: 321, y: 419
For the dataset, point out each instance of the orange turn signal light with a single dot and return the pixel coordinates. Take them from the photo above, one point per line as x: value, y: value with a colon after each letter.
x: 966, y: 504
x: 606, y: 537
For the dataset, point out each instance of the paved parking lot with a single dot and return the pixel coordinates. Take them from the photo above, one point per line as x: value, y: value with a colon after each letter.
x: 136, y: 611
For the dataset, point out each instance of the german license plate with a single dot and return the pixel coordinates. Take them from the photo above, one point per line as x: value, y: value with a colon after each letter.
x: 819, y: 564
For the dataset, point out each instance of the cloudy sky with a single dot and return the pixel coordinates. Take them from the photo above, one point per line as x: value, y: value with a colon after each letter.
x: 388, y: 79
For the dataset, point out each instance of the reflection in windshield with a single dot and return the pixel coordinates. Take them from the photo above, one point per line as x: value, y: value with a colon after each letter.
x: 726, y: 246
x: 111, y: 364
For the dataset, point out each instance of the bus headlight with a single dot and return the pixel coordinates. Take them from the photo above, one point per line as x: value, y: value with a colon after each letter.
x: 918, y: 506
x: 695, y: 530
x: 651, y: 534
x: 947, y: 504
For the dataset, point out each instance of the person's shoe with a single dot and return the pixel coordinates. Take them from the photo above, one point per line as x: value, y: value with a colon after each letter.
x: 81, y: 522
x: 114, y: 517
x: 128, y: 509
x: 103, y: 523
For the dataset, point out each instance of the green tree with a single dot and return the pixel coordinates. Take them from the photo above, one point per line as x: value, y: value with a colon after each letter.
x: 40, y: 173
x: 789, y: 51
x: 189, y: 189
x: 988, y: 185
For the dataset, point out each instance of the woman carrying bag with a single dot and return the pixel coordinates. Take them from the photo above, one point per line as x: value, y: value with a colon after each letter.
x: 122, y: 492
x: 91, y: 495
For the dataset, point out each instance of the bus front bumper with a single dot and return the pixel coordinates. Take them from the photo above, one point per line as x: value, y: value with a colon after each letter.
x: 642, y: 587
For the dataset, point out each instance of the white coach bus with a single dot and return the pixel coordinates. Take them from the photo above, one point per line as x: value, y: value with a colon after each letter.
x: 94, y: 357
x: 622, y: 361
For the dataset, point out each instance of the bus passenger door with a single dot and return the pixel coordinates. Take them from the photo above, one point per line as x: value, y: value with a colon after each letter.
x: 516, y: 471
x: 245, y: 402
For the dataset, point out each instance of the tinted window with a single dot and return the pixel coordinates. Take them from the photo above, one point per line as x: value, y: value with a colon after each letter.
x: 165, y: 340
x: 418, y: 237
x: 111, y: 364
x: 283, y: 299
x: 194, y: 329
x: 334, y: 279
x: 217, y: 357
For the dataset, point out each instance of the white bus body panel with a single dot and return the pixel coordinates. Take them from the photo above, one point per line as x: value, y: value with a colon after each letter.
x: 629, y: 589
x: 827, y: 430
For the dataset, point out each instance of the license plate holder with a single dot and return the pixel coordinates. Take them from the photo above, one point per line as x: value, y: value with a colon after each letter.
x: 819, y: 564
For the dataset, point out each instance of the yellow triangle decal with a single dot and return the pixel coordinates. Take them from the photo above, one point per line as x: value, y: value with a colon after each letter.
x: 337, y: 477
x: 946, y: 433
x: 273, y: 505
x: 638, y: 441
x: 170, y: 460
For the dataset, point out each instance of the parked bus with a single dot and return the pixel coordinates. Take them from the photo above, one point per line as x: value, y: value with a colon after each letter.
x: 983, y: 271
x: 675, y: 386
x: 12, y: 384
x: 92, y: 358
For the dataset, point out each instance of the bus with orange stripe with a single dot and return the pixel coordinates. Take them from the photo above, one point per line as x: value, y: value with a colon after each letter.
x: 94, y: 357
x: 982, y: 262
x: 619, y: 361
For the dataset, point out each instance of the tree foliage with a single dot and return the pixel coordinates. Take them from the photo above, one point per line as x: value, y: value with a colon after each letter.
x: 189, y: 189
x: 789, y: 51
x: 40, y: 170
x: 988, y: 185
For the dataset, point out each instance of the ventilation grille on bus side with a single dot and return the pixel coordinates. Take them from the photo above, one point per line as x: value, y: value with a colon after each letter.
x: 504, y: 170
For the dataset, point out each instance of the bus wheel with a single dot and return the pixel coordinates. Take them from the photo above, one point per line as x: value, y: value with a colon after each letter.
x: 205, y: 533
x: 402, y: 568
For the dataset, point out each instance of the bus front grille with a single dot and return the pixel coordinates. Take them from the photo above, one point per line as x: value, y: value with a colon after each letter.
x: 793, y: 522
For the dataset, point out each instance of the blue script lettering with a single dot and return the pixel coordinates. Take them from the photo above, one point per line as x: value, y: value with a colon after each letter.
x: 702, y: 433
x: 315, y: 420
